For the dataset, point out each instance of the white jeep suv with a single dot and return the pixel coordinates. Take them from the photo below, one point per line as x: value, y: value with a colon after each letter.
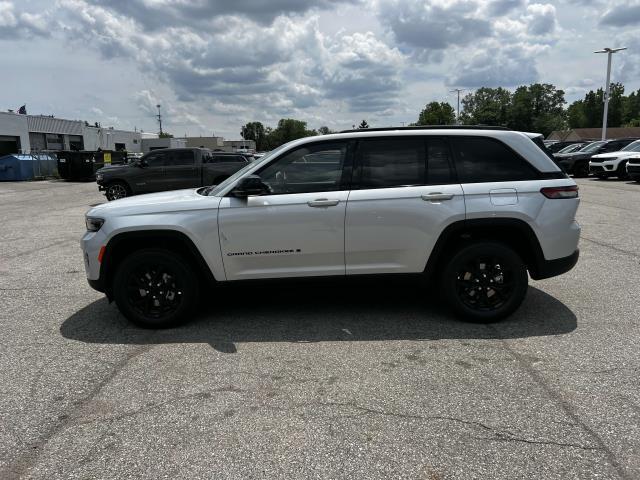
x: 474, y: 209
x: 613, y: 164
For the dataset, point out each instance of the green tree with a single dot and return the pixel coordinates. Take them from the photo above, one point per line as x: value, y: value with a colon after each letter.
x: 437, y: 113
x: 631, y: 108
x: 325, y: 131
x: 486, y: 106
x: 288, y: 129
x: 616, y: 105
x: 363, y: 124
x: 576, y: 117
x: 255, y: 131
x: 537, y: 108
x: 165, y: 135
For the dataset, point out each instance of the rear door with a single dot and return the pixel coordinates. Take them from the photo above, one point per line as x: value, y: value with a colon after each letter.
x: 404, y: 195
x: 181, y: 170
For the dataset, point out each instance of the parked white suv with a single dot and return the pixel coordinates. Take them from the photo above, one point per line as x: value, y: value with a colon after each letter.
x: 613, y: 164
x: 633, y: 167
x: 475, y: 209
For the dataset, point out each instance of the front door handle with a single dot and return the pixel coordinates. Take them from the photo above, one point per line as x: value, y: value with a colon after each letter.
x: 323, y: 202
x: 437, y: 197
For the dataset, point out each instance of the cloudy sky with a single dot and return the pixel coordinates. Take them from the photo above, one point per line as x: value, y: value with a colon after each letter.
x: 217, y: 64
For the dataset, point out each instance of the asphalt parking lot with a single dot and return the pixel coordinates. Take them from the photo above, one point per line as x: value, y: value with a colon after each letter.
x: 370, y: 381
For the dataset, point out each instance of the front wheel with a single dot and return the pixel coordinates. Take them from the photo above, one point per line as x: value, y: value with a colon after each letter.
x: 484, y: 282
x: 155, y: 288
x: 116, y: 190
x: 622, y: 171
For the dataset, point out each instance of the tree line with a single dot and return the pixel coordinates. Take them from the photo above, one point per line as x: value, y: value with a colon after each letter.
x: 539, y: 107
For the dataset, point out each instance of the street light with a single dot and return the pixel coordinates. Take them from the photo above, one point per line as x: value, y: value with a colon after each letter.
x: 609, y: 52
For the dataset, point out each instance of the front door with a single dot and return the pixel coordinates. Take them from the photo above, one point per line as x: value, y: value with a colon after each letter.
x: 150, y: 178
x: 297, y: 230
x: 404, y: 195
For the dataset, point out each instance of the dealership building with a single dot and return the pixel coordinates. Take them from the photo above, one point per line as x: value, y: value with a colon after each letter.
x: 36, y: 133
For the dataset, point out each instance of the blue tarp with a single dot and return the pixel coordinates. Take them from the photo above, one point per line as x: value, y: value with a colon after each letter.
x: 27, y: 167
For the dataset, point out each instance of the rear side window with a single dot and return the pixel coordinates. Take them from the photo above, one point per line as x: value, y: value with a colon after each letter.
x: 392, y: 162
x: 481, y: 159
x: 438, y: 162
x: 180, y: 158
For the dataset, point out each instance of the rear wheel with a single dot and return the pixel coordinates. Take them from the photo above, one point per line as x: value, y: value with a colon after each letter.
x: 116, y: 190
x: 156, y: 288
x: 484, y: 282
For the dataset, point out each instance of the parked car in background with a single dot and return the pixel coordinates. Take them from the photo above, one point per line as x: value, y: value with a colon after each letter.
x: 577, y: 163
x: 613, y: 164
x: 168, y: 169
x: 557, y: 146
x: 633, y: 167
x: 573, y: 147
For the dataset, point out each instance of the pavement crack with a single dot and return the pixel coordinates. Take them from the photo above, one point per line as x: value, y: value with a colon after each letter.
x: 18, y: 467
x: 606, y: 245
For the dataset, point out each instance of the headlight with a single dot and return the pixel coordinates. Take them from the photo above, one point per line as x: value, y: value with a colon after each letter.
x: 99, y: 177
x: 93, y: 223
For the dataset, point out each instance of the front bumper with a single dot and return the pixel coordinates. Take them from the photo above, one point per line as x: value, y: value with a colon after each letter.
x: 601, y: 168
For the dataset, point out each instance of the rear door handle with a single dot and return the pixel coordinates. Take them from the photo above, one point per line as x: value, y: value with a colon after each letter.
x: 323, y: 202
x: 437, y: 196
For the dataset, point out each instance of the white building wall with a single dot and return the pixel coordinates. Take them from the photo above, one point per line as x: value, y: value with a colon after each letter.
x: 14, y: 125
x: 106, y: 138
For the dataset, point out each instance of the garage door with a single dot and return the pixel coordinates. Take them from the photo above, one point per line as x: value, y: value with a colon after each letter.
x: 9, y: 145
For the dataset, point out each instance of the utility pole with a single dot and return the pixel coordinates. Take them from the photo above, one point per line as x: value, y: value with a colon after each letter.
x: 159, y: 118
x: 457, y: 90
x: 609, y: 52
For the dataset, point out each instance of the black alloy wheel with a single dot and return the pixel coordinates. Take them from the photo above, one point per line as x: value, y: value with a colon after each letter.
x: 116, y: 190
x: 622, y: 171
x: 485, y: 282
x: 155, y: 288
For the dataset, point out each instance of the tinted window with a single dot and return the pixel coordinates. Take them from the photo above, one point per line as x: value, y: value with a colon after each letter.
x: 181, y: 157
x: 438, y: 164
x: 313, y: 168
x: 392, y: 162
x: 155, y: 159
x: 487, y: 160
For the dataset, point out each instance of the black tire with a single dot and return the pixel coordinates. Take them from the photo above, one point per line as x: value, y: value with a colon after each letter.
x: 484, y: 282
x: 621, y: 171
x: 581, y: 169
x: 116, y: 190
x: 156, y: 288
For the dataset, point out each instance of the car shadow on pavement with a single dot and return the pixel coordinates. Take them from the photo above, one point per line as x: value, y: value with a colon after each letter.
x: 308, y: 312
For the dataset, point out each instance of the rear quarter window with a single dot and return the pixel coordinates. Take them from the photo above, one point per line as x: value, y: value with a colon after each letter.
x: 482, y: 159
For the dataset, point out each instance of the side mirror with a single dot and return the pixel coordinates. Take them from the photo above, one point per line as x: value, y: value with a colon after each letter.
x: 249, y: 186
x: 141, y: 163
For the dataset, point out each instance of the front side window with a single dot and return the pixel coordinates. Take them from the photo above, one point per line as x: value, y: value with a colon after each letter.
x: 481, y: 159
x: 632, y: 147
x: 155, y: 159
x: 312, y: 168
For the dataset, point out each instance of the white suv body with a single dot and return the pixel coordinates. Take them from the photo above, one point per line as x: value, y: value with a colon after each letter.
x: 613, y: 164
x: 633, y: 167
x: 350, y: 204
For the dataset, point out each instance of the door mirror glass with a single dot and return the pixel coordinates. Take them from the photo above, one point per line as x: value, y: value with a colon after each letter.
x: 251, y: 185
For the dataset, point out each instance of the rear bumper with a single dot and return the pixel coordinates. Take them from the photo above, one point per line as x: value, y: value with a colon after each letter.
x: 552, y: 268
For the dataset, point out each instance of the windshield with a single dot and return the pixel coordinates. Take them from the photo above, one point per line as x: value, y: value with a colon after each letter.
x: 632, y: 147
x: 571, y: 148
x: 592, y: 147
x: 212, y: 192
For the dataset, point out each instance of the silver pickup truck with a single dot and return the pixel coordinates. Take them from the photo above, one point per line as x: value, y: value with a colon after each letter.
x: 169, y: 169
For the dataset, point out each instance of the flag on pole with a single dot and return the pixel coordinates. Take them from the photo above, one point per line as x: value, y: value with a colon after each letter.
x: 22, y: 110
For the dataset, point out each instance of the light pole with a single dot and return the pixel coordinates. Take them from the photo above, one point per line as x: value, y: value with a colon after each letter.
x: 609, y: 52
x: 159, y: 119
x: 458, y: 90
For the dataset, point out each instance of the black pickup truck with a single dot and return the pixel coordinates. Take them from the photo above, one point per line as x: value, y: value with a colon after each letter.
x: 169, y: 169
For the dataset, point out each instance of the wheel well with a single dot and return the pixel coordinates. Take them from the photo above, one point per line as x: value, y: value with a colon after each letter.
x: 126, y: 243
x: 512, y: 232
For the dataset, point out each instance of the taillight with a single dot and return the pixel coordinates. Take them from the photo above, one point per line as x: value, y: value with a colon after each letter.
x: 560, y: 192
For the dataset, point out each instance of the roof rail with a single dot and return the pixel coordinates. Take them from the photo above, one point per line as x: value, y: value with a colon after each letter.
x: 427, y: 127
